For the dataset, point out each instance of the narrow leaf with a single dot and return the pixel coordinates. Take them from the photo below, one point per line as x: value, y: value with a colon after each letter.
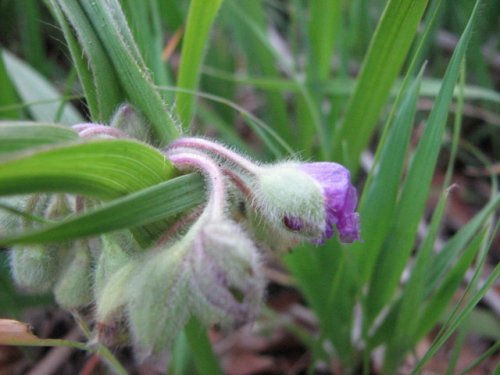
x: 16, y: 136
x: 199, y: 22
x: 32, y: 87
x: 387, y: 52
x: 161, y: 201
x: 379, y: 199
x: 411, y: 206
x: 100, y: 168
x: 99, y: 81
x: 111, y: 26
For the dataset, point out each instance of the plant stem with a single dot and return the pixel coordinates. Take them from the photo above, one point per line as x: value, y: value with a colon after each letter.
x: 204, y: 358
x: 110, y: 360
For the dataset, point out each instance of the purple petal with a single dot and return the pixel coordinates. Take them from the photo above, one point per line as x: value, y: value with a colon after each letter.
x: 340, y: 199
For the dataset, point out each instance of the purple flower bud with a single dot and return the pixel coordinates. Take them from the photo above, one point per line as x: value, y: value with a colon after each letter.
x: 227, y: 281
x: 340, y: 199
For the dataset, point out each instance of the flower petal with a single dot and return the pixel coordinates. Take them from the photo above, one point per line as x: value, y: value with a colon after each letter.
x: 340, y: 199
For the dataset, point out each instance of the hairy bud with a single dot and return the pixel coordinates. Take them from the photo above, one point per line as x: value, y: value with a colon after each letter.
x: 34, y: 268
x: 304, y: 201
x: 228, y: 285
x: 74, y: 288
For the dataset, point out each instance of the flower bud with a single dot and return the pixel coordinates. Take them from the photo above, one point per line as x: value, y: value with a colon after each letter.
x: 10, y: 221
x: 303, y: 201
x: 340, y: 199
x: 213, y: 272
x: 112, y: 258
x: 35, y: 267
x: 110, y: 304
x: 131, y: 122
x: 227, y: 280
x: 73, y: 289
x: 158, y: 298
x: 113, y: 296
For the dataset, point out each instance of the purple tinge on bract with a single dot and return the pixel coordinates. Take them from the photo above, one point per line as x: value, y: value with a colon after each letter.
x: 340, y: 199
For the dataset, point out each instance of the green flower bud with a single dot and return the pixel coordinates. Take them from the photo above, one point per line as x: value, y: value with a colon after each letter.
x: 282, y: 192
x: 113, y: 296
x: 131, y: 122
x: 267, y: 235
x: 10, y: 221
x: 73, y: 290
x: 110, y: 303
x: 227, y: 280
x: 114, y: 265
x: 158, y: 296
x: 35, y: 268
x: 112, y: 258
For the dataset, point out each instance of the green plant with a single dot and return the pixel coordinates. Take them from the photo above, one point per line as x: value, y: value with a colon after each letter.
x: 67, y: 184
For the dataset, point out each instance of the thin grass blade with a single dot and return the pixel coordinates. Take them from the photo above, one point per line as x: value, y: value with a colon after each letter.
x: 398, y: 246
x: 199, y: 23
x: 100, y: 84
x: 17, y: 136
x: 388, y: 50
x: 109, y: 23
x: 101, y: 168
x: 161, y: 201
x: 33, y: 87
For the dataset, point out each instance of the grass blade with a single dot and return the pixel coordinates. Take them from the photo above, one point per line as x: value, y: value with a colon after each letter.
x: 161, y: 201
x: 32, y: 87
x: 438, y: 302
x: 16, y: 136
x: 454, y: 323
x: 97, y: 76
x: 388, y: 49
x: 102, y: 169
x: 8, y: 95
x: 455, y: 245
x: 260, y: 59
x: 199, y: 22
x: 111, y: 26
x: 410, y: 208
x: 379, y: 198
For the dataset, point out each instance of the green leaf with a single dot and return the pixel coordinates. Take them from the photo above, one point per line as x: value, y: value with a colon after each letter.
x: 16, y: 136
x: 100, y: 168
x: 379, y: 198
x: 438, y: 302
x: 204, y: 358
x: 439, y: 266
x: 323, y: 23
x: 454, y: 323
x: 146, y: 27
x: 345, y: 86
x: 111, y: 26
x: 388, y: 50
x: 451, y: 250
x: 403, y: 336
x: 32, y: 87
x: 404, y: 325
x: 8, y: 95
x: 162, y: 201
x: 199, y: 22
x: 411, y: 205
x: 97, y: 76
x: 259, y: 59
